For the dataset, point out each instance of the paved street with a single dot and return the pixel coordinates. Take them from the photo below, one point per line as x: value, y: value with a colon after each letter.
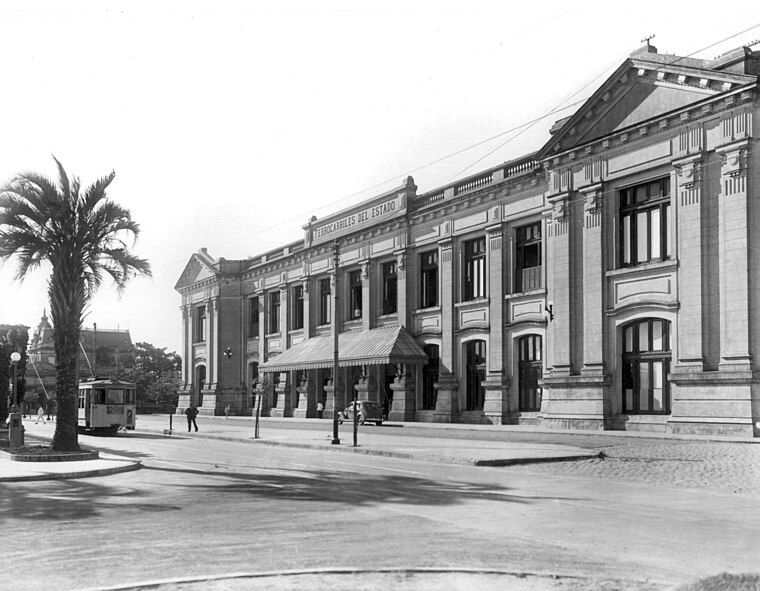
x: 651, y: 514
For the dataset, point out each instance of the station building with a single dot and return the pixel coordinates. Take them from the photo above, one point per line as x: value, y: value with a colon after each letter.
x: 608, y: 280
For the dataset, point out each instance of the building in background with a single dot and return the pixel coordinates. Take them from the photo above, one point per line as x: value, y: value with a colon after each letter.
x: 606, y: 281
x: 100, y: 352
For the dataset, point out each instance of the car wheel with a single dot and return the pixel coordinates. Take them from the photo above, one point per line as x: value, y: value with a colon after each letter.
x: 340, y: 420
x: 360, y: 419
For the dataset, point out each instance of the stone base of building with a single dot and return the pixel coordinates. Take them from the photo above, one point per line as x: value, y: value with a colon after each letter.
x: 576, y: 402
x: 714, y: 429
x: 719, y: 403
x: 575, y: 423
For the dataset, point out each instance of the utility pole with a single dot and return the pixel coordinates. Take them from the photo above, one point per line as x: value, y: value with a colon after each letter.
x: 336, y: 261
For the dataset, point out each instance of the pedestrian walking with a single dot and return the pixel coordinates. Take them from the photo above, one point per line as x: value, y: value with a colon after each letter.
x: 320, y: 409
x: 227, y: 412
x: 191, y: 412
x: 40, y: 416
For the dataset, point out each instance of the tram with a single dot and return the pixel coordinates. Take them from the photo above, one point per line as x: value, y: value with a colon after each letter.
x: 106, y: 405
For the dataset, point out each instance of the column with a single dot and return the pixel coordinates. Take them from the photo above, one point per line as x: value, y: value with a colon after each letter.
x: 496, y: 404
x: 211, y: 343
x: 185, y: 394
x: 447, y: 404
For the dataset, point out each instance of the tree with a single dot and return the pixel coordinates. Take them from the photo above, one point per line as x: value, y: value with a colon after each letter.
x: 82, y: 234
x: 155, y: 373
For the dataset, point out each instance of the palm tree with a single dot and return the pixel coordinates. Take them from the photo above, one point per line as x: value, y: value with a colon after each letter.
x: 81, y: 234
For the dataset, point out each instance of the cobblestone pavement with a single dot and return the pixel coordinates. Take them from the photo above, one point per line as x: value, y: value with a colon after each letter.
x: 727, y: 467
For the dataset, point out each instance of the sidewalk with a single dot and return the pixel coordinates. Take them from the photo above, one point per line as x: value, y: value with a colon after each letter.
x: 382, y: 441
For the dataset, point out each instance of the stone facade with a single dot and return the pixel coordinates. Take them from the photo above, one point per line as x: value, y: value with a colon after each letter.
x: 606, y: 281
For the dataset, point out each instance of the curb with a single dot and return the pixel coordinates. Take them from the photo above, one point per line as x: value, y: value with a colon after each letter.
x: 395, y: 454
x: 68, y: 475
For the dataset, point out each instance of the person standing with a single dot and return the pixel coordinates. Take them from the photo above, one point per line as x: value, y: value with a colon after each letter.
x: 320, y: 409
x: 227, y: 412
x: 40, y: 416
x: 191, y: 412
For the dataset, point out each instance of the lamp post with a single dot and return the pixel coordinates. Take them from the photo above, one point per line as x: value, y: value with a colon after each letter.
x: 15, y: 358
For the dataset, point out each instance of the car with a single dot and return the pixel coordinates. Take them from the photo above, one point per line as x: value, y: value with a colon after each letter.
x: 368, y: 412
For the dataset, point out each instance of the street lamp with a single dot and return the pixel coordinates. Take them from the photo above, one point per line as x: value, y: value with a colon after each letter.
x: 15, y: 358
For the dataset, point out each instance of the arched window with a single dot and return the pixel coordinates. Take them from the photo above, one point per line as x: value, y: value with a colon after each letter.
x: 646, y: 363
x: 430, y: 377
x: 476, y: 374
x: 530, y: 369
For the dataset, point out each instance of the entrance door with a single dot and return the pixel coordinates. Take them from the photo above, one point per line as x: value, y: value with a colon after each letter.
x: 200, y: 381
x: 530, y: 369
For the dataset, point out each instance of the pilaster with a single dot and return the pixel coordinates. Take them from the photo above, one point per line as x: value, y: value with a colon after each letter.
x: 447, y: 401
x: 402, y: 288
x: 688, y: 202
x: 284, y: 407
x: 496, y: 403
x: 368, y: 299
x: 733, y: 231
x: 593, y: 282
x: 307, y: 396
x: 558, y: 284
x: 403, y: 407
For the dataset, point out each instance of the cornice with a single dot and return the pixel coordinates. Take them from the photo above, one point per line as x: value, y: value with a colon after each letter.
x: 667, y: 122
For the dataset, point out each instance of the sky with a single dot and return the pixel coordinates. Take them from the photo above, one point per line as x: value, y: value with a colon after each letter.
x: 229, y: 124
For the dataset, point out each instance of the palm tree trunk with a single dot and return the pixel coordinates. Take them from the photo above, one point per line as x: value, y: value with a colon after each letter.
x: 66, y: 292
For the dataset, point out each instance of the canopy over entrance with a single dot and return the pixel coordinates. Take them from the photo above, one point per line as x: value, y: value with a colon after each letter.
x: 387, y: 344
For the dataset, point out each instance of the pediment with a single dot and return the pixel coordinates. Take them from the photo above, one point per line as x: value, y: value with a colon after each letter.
x: 638, y: 92
x: 639, y: 103
x: 194, y: 272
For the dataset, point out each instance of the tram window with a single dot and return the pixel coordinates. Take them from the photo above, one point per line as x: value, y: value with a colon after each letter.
x: 115, y: 396
x: 99, y: 397
x: 130, y: 397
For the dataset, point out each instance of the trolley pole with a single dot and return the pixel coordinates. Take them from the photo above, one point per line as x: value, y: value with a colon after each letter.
x: 336, y: 261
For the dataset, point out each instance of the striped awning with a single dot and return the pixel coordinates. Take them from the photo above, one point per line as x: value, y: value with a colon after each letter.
x: 386, y: 344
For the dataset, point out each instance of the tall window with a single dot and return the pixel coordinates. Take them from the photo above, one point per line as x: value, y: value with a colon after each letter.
x: 476, y: 374
x: 274, y: 311
x: 646, y: 363
x: 355, y: 294
x: 644, y: 227
x: 430, y: 377
x: 297, y: 319
x: 475, y: 269
x: 324, y: 302
x: 390, y: 288
x: 253, y: 317
x: 530, y: 369
x: 429, y: 279
x: 200, y: 323
x: 528, y: 269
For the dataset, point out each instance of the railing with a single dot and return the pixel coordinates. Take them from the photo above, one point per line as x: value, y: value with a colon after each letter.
x: 529, y: 279
x: 520, y: 167
x: 472, y: 184
x: 490, y: 177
